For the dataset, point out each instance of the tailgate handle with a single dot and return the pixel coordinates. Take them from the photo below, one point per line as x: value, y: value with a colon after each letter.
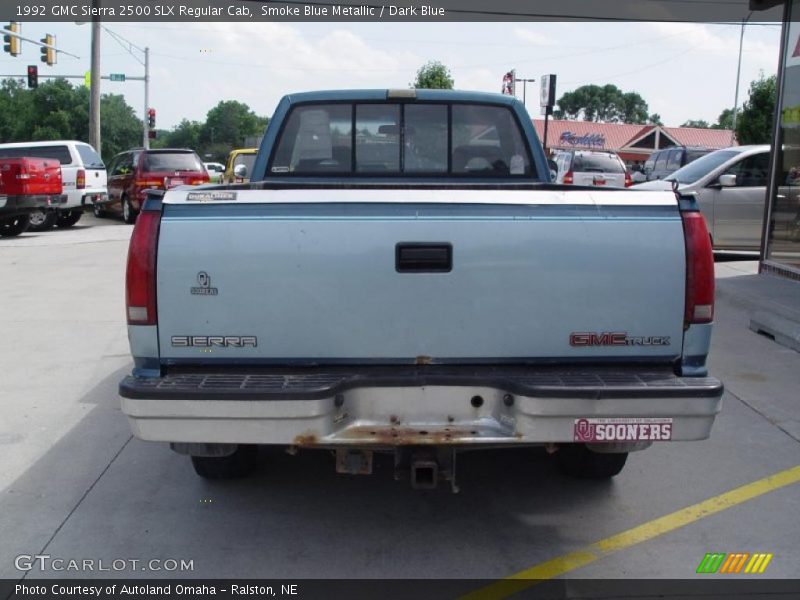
x: 423, y: 257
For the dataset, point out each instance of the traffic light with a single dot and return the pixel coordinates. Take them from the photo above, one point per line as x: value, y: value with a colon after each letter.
x: 33, y: 76
x: 11, y: 41
x: 48, y: 50
x: 151, y: 118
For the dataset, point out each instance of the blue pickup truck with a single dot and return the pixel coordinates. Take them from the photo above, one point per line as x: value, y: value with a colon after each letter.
x: 401, y: 276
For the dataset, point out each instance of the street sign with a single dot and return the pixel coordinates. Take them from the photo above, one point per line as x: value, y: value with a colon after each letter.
x: 117, y: 77
x: 547, y: 97
x: 87, y: 79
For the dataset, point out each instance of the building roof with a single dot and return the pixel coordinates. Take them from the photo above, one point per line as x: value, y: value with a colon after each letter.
x: 615, y: 135
x: 627, y: 138
x: 693, y: 136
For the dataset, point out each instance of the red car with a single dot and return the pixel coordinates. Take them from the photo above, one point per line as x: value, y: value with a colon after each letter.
x: 133, y: 173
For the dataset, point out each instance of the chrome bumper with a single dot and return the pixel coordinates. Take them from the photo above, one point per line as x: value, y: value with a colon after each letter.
x: 422, y: 405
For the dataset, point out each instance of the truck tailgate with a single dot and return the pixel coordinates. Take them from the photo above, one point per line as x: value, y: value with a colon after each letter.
x: 420, y: 275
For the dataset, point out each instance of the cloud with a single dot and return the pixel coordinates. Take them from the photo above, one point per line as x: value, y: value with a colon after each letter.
x: 532, y: 37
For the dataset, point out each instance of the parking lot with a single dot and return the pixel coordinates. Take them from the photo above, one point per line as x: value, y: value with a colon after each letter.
x: 76, y: 485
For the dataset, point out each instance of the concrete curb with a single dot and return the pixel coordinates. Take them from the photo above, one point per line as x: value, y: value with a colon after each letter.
x: 773, y: 304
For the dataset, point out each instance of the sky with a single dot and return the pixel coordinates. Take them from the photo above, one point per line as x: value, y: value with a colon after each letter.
x: 683, y: 70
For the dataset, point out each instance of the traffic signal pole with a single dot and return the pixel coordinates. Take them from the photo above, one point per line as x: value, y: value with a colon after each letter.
x: 145, y: 124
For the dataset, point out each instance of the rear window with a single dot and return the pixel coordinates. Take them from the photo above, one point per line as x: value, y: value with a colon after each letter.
x: 172, y: 161
x: 59, y: 153
x: 692, y: 155
x: 89, y: 157
x: 674, y: 160
x: 245, y: 159
x: 597, y: 163
x: 401, y: 138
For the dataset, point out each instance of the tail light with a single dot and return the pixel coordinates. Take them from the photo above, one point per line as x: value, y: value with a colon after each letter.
x: 628, y: 179
x: 80, y: 181
x: 152, y: 183
x: 699, y: 306
x: 140, y: 276
x: 568, y: 177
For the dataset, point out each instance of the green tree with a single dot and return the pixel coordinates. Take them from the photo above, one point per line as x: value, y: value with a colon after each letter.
x: 15, y: 110
x: 185, y: 135
x: 433, y: 75
x: 607, y: 104
x: 725, y: 120
x: 229, y: 123
x: 654, y: 119
x: 632, y: 108
x: 697, y: 123
x: 120, y: 128
x: 56, y: 110
x: 754, y: 123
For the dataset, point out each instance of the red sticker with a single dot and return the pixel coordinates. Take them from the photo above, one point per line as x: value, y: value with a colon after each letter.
x: 623, y: 429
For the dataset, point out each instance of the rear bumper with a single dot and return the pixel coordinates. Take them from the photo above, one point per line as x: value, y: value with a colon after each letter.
x: 19, y: 205
x: 416, y: 405
x: 92, y: 197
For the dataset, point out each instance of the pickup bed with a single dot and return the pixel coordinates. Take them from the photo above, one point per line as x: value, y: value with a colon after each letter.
x: 400, y: 276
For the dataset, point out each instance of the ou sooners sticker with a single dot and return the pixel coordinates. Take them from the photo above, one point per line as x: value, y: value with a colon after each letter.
x: 622, y: 429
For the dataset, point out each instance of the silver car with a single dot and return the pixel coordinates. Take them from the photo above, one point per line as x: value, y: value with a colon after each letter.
x: 731, y: 189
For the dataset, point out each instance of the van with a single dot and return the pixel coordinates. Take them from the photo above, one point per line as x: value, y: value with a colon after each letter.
x: 665, y: 162
x: 83, y: 174
x: 133, y: 173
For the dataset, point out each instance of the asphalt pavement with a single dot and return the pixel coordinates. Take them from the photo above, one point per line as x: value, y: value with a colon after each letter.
x: 76, y: 485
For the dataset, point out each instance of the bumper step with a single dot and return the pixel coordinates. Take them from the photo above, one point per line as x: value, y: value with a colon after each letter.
x: 323, y: 382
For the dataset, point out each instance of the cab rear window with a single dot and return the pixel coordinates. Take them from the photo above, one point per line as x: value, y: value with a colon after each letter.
x: 402, y: 139
x: 172, y: 161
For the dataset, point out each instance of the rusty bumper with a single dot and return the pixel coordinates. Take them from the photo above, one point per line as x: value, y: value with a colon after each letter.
x: 381, y: 408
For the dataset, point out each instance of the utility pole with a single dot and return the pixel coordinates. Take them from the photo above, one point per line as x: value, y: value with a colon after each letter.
x: 145, y: 126
x: 738, y: 72
x: 132, y: 49
x: 94, y: 91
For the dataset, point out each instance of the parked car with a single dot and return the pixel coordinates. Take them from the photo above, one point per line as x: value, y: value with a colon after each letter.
x: 731, y: 189
x: 132, y: 173
x: 239, y: 165
x: 591, y: 168
x: 83, y: 175
x: 215, y: 171
x: 664, y: 162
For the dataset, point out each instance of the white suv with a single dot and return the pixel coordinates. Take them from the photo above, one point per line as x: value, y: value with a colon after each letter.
x: 592, y: 168
x: 83, y: 174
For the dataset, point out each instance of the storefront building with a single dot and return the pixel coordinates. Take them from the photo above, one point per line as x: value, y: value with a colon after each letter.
x: 780, y: 252
x: 633, y: 143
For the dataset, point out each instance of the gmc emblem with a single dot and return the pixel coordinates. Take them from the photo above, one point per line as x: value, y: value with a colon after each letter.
x: 610, y: 338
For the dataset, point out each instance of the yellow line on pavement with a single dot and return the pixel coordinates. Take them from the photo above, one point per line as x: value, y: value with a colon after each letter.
x: 642, y: 533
